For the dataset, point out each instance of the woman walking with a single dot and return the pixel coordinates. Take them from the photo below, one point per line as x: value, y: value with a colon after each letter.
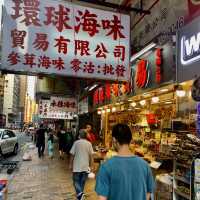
x: 50, y: 145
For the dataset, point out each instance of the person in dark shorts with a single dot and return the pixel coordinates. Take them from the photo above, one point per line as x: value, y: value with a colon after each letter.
x: 40, y: 141
x: 69, y: 140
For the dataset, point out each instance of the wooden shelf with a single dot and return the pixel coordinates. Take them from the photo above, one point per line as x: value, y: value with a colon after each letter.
x: 183, y: 165
x: 186, y: 196
x: 180, y: 178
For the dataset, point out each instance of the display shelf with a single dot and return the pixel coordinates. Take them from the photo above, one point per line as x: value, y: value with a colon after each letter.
x: 179, y: 181
x: 180, y: 178
x: 186, y: 196
x: 183, y: 165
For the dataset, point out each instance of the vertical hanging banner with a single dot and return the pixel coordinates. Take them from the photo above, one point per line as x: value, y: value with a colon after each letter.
x: 44, y: 108
x: 53, y: 37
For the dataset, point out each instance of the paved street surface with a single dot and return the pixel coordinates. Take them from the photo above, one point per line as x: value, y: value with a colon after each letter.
x: 43, y: 179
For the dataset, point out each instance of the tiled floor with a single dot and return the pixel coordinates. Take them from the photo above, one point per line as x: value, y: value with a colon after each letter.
x: 45, y: 179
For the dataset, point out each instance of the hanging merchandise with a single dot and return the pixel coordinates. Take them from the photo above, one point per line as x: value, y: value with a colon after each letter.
x: 151, y: 118
x: 197, y: 179
x: 196, y: 89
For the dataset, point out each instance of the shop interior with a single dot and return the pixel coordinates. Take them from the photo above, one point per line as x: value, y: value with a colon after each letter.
x: 163, y: 122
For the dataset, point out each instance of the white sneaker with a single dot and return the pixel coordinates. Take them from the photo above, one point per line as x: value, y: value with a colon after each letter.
x: 81, y: 196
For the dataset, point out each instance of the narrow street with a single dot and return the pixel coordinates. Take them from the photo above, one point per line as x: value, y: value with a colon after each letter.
x: 114, y: 81
x: 43, y: 179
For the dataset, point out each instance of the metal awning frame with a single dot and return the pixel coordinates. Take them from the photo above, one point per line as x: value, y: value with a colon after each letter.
x: 119, y: 7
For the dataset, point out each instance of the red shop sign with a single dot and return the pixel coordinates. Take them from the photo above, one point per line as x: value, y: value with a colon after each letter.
x: 142, y: 74
x: 159, y: 61
x: 143, y: 70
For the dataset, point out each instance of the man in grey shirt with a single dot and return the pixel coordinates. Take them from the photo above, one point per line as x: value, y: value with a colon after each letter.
x: 81, y: 160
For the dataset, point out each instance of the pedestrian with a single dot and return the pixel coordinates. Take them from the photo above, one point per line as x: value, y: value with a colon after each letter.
x: 40, y: 141
x: 61, y: 141
x: 90, y: 135
x: 50, y: 145
x: 68, y: 141
x: 81, y: 161
x: 124, y: 176
x: 74, y: 132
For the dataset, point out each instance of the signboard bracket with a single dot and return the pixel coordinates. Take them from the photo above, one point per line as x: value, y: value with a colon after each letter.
x: 120, y: 7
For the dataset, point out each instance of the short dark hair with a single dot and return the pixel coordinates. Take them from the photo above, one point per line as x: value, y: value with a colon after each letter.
x: 88, y: 124
x: 122, y: 133
x: 82, y: 134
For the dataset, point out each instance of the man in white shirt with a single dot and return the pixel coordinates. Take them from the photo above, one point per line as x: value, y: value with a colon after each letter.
x: 81, y: 160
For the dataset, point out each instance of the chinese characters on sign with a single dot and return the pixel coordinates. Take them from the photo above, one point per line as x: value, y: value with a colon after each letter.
x: 109, y: 92
x: 146, y: 30
x: 158, y: 65
x: 64, y: 104
x: 144, y: 70
x: 44, y: 108
x: 63, y: 38
x: 142, y: 74
x: 48, y: 111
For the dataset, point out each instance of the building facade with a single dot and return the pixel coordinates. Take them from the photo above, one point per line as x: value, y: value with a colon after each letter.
x: 22, y: 98
x: 2, y: 83
x: 11, y: 99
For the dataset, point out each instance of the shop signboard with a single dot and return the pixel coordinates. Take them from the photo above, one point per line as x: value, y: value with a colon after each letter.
x: 110, y: 92
x: 154, y: 69
x: 63, y: 104
x: 188, y: 51
x: 173, y: 14
x: 61, y: 115
x: 62, y: 38
x: 166, y: 17
x: 83, y: 106
x: 44, y: 108
x: 99, y: 96
x: 46, y: 111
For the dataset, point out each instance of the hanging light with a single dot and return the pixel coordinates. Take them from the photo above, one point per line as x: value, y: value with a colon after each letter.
x: 164, y: 90
x: 146, y: 94
x: 155, y: 99
x: 92, y: 87
x: 142, y: 102
x: 168, y: 102
x: 133, y: 104
x: 114, y: 109
x: 180, y: 92
x: 190, y: 94
x: 99, y: 112
x: 143, y: 51
x: 108, y: 110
